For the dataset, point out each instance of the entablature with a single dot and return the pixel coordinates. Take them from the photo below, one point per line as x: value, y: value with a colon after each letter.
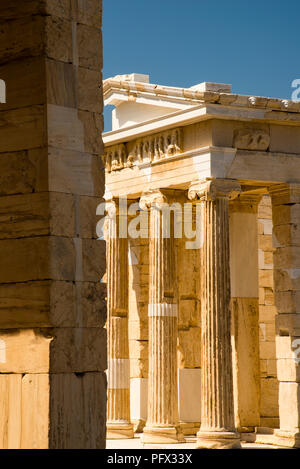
x: 254, y: 140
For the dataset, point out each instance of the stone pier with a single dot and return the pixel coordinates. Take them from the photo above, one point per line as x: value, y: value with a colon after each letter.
x: 52, y: 304
x: 286, y: 241
x: 244, y: 310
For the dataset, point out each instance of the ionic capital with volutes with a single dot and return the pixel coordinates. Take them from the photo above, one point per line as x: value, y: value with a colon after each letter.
x: 160, y: 198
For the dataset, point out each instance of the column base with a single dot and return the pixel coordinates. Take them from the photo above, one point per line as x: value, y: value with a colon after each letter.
x: 118, y: 431
x: 287, y: 439
x: 165, y: 435
x: 218, y: 440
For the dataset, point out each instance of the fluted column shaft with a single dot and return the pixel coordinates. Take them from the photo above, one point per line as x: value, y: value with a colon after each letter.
x: 162, y: 424
x: 217, y: 393
x: 118, y: 404
x: 217, y: 407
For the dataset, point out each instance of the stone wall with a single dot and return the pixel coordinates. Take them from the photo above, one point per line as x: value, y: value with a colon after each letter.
x: 138, y: 329
x: 52, y: 305
x: 189, y: 332
x: 267, y: 312
x: 286, y: 241
x: 189, y: 335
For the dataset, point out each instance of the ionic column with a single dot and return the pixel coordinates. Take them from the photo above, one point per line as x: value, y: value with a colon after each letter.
x: 118, y: 394
x: 217, y: 429
x: 286, y: 241
x: 162, y: 422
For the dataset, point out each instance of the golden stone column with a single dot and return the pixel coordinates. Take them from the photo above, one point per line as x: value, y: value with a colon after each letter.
x: 162, y: 422
x: 217, y: 429
x: 118, y: 393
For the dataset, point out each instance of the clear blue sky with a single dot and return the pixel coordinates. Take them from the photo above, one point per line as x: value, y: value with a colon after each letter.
x: 252, y: 44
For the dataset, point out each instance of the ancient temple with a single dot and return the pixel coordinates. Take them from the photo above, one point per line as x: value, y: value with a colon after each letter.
x: 203, y: 305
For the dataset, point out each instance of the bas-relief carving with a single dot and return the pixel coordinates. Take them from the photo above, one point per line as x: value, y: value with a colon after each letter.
x: 249, y: 139
x: 146, y: 150
x: 116, y: 157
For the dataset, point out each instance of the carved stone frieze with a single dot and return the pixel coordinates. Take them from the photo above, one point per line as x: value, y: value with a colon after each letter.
x: 115, y: 157
x: 250, y: 139
x: 145, y: 150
